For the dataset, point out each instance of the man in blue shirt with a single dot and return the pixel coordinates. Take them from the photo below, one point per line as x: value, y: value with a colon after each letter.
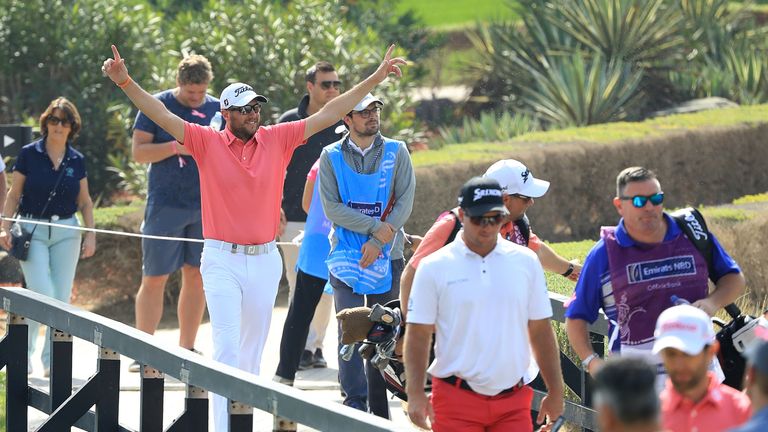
x: 636, y: 267
x: 756, y: 385
x: 173, y: 203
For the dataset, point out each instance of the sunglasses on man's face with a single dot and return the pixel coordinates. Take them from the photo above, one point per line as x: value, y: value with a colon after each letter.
x: 487, y: 220
x: 247, y: 109
x: 53, y: 120
x: 640, y: 201
x: 325, y: 85
x: 522, y: 197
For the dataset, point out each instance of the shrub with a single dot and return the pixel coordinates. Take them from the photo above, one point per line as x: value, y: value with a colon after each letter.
x: 490, y: 127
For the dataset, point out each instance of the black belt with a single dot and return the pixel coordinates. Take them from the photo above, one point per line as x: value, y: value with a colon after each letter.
x: 459, y: 382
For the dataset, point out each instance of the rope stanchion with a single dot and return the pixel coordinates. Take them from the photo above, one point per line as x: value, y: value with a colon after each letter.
x: 110, y: 232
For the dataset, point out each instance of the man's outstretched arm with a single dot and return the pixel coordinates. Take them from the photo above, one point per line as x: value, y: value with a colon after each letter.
x: 116, y: 70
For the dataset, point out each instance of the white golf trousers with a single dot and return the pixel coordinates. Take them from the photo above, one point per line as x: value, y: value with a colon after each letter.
x: 240, y: 291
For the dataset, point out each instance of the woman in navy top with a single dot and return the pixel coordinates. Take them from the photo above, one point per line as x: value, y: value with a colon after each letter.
x: 53, y: 254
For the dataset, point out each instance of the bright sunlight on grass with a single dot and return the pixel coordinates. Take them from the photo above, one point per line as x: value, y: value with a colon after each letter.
x: 451, y: 14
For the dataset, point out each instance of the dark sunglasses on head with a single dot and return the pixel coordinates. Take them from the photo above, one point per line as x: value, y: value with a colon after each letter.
x: 325, y: 85
x: 487, y: 220
x: 53, y: 120
x: 366, y: 113
x: 247, y: 109
x: 639, y: 201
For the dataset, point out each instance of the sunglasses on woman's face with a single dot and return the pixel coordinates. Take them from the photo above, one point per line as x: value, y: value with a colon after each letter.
x: 53, y: 121
x: 325, y: 85
x: 487, y: 220
x: 640, y: 201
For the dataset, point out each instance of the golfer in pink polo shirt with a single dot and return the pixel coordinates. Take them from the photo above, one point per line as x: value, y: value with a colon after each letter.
x: 241, y: 186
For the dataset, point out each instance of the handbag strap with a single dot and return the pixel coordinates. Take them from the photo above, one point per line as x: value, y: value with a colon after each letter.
x: 52, y: 193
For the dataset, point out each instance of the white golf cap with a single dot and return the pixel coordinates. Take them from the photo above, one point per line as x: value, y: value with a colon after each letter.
x: 684, y: 327
x: 239, y: 94
x: 516, y: 178
x: 367, y: 100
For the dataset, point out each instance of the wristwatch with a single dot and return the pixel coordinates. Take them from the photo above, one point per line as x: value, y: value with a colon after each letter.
x: 569, y: 271
x: 585, y: 363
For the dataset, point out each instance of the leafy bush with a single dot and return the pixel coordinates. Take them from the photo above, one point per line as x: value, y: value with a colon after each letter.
x: 490, y: 127
x: 56, y: 48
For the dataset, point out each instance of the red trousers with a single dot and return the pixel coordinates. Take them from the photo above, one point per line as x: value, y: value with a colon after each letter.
x: 461, y: 410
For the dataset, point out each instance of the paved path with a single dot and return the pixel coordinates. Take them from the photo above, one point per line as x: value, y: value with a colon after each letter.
x: 322, y: 382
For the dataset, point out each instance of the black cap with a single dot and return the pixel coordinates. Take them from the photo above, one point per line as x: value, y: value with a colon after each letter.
x: 481, y: 195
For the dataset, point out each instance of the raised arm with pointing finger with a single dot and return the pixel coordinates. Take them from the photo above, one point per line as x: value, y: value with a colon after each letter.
x: 242, y: 170
x: 334, y: 110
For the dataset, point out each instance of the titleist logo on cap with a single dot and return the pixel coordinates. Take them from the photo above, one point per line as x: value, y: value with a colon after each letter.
x: 480, y: 193
x: 242, y: 89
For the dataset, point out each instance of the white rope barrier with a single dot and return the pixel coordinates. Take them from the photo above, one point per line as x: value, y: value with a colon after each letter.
x: 120, y: 233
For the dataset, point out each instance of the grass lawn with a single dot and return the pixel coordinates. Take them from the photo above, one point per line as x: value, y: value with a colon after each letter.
x: 453, y: 14
x: 603, y: 133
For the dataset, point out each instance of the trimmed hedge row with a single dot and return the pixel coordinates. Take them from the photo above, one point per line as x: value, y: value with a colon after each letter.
x: 702, y: 166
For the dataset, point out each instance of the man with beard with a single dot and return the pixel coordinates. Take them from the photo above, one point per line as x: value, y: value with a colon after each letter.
x: 242, y: 170
x: 694, y: 399
x: 367, y: 186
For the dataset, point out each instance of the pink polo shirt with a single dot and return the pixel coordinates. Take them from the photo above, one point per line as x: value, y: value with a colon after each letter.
x: 241, y: 184
x: 721, y: 408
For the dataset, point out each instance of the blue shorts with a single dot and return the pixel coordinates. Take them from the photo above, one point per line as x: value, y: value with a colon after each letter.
x: 162, y: 257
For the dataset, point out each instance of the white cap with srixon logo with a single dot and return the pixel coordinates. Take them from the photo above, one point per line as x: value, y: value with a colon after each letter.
x: 239, y: 94
x: 686, y: 328
x: 516, y: 178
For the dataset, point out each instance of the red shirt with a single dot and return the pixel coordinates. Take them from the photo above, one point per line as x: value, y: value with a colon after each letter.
x: 438, y: 234
x: 241, y: 184
x: 721, y: 408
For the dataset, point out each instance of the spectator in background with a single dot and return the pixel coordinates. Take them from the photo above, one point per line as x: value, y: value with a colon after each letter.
x: 625, y: 396
x: 173, y: 203
x: 756, y: 385
x: 50, y: 184
x: 322, y: 85
x: 694, y: 399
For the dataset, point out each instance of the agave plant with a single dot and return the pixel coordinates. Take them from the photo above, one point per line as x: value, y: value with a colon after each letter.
x: 574, y: 91
x: 490, y: 127
x: 644, y: 32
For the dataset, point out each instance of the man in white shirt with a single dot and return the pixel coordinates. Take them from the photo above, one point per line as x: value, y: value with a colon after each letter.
x: 485, y: 299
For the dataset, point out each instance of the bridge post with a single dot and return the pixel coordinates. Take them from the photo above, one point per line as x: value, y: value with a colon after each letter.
x: 61, y: 368
x: 151, y: 400
x: 240, y: 417
x: 14, y: 356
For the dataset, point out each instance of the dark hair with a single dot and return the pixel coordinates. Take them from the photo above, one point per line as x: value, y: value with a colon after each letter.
x: 627, y: 385
x: 69, y: 109
x: 630, y: 175
x: 194, y: 69
x: 321, y: 66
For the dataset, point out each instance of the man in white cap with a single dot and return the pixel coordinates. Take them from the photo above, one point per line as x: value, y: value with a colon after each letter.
x: 520, y: 189
x: 694, y: 399
x: 367, y: 186
x: 242, y: 169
